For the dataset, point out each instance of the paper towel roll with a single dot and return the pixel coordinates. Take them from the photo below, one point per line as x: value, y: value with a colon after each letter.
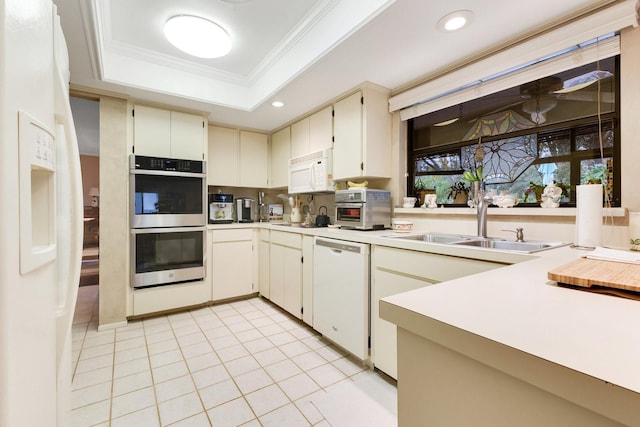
x: 589, y: 215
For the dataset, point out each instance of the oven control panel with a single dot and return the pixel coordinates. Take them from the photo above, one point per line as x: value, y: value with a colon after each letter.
x: 165, y: 164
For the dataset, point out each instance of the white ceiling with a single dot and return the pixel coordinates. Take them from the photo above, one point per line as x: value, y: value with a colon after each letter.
x: 303, y: 52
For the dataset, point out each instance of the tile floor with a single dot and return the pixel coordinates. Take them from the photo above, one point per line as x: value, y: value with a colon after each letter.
x: 244, y: 363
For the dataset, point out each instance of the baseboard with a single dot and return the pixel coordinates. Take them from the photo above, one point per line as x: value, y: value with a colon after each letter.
x: 110, y: 326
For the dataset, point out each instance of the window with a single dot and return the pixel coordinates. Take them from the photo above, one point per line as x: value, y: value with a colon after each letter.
x: 561, y: 128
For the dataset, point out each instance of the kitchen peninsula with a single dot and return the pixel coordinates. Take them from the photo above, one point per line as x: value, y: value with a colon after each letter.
x: 508, y: 347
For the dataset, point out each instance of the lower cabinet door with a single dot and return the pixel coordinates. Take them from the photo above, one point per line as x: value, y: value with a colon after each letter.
x: 232, y: 269
x: 384, y: 336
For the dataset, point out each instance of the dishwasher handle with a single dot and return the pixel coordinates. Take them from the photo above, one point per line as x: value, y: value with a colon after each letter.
x: 338, y: 246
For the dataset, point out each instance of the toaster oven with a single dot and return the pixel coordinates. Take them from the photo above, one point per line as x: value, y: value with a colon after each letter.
x: 363, y: 209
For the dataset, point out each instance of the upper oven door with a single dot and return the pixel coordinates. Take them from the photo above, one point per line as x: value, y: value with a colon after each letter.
x: 167, y: 199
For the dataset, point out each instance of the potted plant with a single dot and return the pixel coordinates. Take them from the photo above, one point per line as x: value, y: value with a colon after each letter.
x: 459, y: 193
x: 421, y: 189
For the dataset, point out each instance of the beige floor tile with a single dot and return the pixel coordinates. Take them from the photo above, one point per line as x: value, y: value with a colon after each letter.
x: 169, y: 372
x: 186, y: 329
x: 230, y: 353
x: 174, y: 388
x: 147, y: 417
x: 241, y: 327
x: 209, y: 376
x: 326, y: 375
x: 294, y: 348
x: 266, y: 399
x: 89, y: 395
x: 161, y: 359
x: 132, y: 367
x: 257, y: 345
x: 287, y: 416
x: 132, y: 402
x: 308, y: 409
x: 282, y: 370
x: 90, y: 378
x: 131, y: 354
x: 298, y: 386
x: 226, y: 341
x: 91, y: 415
x: 179, y: 408
x: 219, y: 393
x: 98, y: 340
x: 130, y: 343
x: 282, y: 338
x: 162, y: 346
x: 252, y: 381
x: 309, y: 360
x: 198, y: 420
x: 349, y: 365
x: 98, y: 350
x: 331, y: 353
x: 191, y: 339
x: 132, y: 382
x: 203, y: 361
x: 248, y: 335
x: 127, y: 333
x: 242, y: 365
x: 86, y: 365
x: 160, y: 336
x: 231, y: 414
x: 270, y: 356
x: 196, y: 349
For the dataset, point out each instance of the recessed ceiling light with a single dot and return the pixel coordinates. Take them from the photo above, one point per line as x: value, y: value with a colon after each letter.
x: 197, y: 36
x: 277, y: 104
x: 455, y: 20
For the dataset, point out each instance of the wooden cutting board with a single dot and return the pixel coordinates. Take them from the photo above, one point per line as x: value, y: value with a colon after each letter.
x: 603, y: 276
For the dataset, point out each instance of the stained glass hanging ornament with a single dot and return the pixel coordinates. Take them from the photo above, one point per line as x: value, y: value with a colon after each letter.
x: 503, y: 160
x: 498, y: 124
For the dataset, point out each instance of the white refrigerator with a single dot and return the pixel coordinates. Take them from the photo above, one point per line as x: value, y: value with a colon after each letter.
x: 40, y: 217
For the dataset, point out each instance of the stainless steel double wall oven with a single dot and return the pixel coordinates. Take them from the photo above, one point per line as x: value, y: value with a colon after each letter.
x: 168, y: 220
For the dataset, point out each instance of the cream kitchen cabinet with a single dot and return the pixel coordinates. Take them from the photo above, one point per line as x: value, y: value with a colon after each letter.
x: 233, y: 267
x: 164, y: 133
x: 264, y: 237
x: 285, y: 271
x: 313, y: 133
x: 280, y: 154
x: 307, y: 279
x: 362, y: 135
x: 237, y: 158
x: 397, y: 270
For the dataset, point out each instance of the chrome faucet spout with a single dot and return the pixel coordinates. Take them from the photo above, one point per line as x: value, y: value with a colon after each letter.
x: 483, y: 203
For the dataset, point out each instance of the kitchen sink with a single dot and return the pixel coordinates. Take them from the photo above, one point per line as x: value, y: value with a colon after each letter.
x: 479, y: 242
x: 506, y: 245
x: 431, y: 237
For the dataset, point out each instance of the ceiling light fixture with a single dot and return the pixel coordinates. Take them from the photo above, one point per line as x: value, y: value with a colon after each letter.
x: 278, y: 104
x: 197, y: 36
x: 455, y: 20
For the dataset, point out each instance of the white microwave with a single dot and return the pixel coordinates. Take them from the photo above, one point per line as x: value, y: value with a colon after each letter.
x: 311, y: 173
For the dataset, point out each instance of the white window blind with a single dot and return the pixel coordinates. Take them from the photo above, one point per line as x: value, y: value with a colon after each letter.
x: 446, y: 91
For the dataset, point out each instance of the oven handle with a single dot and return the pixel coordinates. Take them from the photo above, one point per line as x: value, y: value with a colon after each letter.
x: 167, y: 173
x: 167, y: 230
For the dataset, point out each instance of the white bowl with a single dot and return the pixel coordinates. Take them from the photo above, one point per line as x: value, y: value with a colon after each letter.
x: 401, y: 226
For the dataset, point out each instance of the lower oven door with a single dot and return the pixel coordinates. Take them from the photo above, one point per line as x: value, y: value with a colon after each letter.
x: 350, y: 214
x: 161, y: 256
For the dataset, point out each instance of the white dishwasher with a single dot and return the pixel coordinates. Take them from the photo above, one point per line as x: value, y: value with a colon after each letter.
x: 341, y: 293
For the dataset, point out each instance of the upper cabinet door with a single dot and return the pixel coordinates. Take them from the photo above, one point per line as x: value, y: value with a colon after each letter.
x: 254, y: 158
x: 347, y: 131
x: 164, y: 133
x: 187, y: 136
x: 222, y: 167
x: 300, y: 138
x: 152, y: 131
x: 321, y: 130
x: 280, y: 153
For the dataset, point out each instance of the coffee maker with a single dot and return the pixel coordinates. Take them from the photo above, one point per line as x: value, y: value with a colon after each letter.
x: 246, y: 209
x: 220, y: 208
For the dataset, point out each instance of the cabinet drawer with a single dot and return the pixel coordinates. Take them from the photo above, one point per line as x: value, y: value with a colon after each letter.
x: 428, y: 266
x: 231, y: 235
x: 292, y: 240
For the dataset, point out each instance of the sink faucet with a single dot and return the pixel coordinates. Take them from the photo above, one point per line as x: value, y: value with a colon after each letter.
x: 483, y: 202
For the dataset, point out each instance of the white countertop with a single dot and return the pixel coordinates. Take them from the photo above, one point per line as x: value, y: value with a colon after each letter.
x: 519, y: 307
